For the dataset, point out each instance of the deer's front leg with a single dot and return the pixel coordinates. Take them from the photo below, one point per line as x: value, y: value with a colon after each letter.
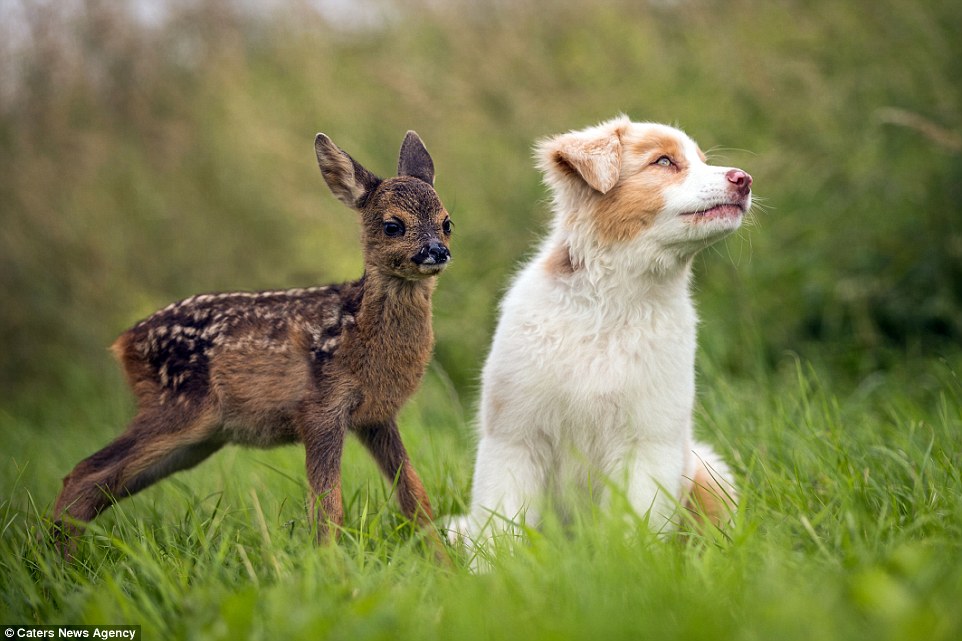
x: 383, y: 441
x: 323, y: 427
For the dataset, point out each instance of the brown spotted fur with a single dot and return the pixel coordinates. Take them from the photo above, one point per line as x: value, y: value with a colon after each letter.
x: 303, y: 365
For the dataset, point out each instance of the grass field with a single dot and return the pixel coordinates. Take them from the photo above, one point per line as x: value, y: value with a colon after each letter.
x: 145, y: 160
x: 850, y: 528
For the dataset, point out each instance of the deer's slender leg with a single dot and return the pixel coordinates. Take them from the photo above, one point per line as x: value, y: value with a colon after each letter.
x: 323, y: 427
x: 156, y: 444
x: 383, y: 441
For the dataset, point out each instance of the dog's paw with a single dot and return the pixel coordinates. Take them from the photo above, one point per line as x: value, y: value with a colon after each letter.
x: 457, y: 529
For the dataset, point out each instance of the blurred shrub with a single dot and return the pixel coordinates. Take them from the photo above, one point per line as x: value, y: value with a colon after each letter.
x: 144, y: 160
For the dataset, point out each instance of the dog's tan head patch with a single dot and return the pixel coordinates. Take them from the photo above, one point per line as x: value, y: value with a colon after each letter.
x: 651, y: 162
x: 590, y: 157
x: 596, y: 162
x: 619, y: 170
x: 638, y: 192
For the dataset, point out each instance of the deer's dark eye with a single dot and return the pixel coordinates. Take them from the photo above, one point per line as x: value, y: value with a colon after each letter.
x: 393, y: 228
x: 447, y: 226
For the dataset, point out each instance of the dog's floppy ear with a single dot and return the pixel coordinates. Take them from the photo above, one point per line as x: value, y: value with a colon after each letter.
x: 592, y: 155
x: 348, y: 180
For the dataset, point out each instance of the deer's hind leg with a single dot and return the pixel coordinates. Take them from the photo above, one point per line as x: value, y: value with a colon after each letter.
x: 157, y: 443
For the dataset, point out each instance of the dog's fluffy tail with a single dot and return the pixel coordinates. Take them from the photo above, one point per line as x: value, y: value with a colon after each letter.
x: 711, y: 495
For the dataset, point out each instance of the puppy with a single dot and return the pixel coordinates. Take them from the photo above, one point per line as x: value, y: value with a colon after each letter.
x: 590, y: 381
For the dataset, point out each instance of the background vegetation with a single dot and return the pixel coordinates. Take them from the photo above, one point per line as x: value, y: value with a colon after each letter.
x: 148, y: 152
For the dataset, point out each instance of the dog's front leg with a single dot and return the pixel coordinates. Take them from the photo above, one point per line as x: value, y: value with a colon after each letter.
x: 507, y: 483
x: 654, y: 473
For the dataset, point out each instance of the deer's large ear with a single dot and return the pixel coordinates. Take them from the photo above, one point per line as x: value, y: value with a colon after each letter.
x: 348, y: 180
x: 414, y: 159
x: 592, y: 156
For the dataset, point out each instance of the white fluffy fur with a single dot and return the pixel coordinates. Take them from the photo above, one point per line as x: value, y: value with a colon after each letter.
x: 590, y: 380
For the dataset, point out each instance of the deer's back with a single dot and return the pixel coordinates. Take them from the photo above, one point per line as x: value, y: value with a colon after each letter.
x: 251, y: 353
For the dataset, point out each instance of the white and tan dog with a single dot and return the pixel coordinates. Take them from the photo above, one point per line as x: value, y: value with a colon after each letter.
x: 590, y: 381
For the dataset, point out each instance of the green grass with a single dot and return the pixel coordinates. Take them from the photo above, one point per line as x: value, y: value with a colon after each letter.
x: 142, y: 164
x: 850, y: 527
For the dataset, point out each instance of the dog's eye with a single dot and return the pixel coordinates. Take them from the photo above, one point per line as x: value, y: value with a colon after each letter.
x: 393, y: 228
x: 664, y: 161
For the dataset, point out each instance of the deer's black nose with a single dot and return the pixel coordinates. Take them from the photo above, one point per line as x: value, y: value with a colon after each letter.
x: 434, y: 253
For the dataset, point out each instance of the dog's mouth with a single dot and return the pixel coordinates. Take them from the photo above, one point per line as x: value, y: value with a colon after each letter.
x: 722, y: 211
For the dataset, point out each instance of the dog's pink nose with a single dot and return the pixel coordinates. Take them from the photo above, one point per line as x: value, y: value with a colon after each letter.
x: 741, y: 180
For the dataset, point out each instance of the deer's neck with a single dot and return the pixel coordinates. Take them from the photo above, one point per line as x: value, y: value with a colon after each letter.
x: 394, y: 345
x: 396, y: 308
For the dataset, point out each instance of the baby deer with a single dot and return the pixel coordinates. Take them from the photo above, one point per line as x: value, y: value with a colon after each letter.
x: 309, y: 365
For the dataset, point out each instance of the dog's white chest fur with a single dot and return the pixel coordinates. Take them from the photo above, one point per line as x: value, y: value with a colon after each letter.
x: 589, y: 384
x: 588, y: 378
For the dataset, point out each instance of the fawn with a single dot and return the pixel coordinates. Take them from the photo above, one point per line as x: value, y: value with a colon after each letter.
x: 275, y: 367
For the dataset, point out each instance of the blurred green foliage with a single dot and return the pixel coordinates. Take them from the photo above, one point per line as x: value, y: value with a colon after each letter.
x: 142, y: 161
